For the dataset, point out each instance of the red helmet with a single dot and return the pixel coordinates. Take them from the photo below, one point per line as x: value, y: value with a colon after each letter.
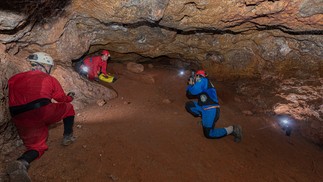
x: 105, y: 52
x: 200, y: 72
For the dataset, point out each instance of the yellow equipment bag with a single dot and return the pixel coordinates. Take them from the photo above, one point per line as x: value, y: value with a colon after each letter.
x: 106, y: 78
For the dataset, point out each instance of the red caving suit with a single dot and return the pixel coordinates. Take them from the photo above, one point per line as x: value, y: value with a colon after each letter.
x: 33, y: 125
x: 95, y: 65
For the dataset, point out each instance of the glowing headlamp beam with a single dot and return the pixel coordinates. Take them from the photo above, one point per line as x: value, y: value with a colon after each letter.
x: 285, y: 121
x: 85, y: 69
x: 181, y: 72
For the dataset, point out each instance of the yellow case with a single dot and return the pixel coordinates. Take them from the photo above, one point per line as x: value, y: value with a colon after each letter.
x: 108, y: 79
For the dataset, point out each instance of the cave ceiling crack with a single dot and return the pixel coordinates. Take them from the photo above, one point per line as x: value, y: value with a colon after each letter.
x: 258, y: 2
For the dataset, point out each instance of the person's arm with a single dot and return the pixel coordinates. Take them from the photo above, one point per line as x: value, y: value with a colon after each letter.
x: 96, y: 66
x: 58, y: 92
x: 196, y: 88
x: 104, y: 68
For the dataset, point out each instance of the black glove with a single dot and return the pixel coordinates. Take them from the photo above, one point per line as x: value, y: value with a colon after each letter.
x: 71, y: 94
x: 190, y: 81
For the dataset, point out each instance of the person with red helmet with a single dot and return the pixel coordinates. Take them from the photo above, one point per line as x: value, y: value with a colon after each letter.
x: 93, y: 66
x: 30, y: 95
x: 208, y: 107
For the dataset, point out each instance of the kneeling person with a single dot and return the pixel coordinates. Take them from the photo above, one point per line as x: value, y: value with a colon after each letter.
x: 208, y: 108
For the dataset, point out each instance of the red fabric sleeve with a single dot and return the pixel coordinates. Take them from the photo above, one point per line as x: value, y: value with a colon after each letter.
x: 103, y: 65
x: 58, y: 92
x: 32, y: 85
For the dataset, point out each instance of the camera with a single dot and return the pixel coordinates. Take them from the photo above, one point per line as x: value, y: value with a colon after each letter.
x: 191, y: 78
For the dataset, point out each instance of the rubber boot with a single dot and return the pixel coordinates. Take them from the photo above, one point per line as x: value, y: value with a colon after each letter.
x: 237, y: 133
x: 17, y: 171
x: 68, y: 139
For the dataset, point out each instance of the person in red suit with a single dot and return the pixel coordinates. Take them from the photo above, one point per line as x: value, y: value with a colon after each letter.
x: 93, y: 66
x: 32, y: 111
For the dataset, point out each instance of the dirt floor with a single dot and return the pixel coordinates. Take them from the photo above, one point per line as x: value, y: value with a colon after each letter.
x: 141, y: 136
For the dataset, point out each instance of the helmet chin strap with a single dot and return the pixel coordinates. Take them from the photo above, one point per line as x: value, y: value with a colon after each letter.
x: 42, y: 68
x: 50, y: 69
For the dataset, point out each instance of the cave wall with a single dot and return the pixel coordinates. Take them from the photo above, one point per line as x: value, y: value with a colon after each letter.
x: 272, y: 41
x: 231, y: 39
x: 86, y: 93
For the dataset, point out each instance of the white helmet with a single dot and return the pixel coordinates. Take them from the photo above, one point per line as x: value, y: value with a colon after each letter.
x: 41, y: 57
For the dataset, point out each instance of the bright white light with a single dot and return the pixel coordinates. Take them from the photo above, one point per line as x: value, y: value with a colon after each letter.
x: 285, y: 121
x: 181, y: 72
x: 85, y: 69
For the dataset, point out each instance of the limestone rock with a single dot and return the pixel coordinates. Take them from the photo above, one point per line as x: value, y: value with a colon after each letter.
x: 248, y: 113
x: 101, y: 102
x: 134, y: 67
x: 167, y: 101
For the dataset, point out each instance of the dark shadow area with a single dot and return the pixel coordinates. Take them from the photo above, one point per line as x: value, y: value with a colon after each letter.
x: 213, y: 30
x: 38, y: 11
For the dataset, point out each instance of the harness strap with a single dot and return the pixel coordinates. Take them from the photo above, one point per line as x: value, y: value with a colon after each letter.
x: 15, y: 110
x: 211, y: 107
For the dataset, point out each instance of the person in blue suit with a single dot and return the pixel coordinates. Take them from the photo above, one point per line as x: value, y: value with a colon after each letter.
x: 208, y: 107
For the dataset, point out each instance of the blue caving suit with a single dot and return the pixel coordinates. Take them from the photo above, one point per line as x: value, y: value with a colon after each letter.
x: 207, y: 106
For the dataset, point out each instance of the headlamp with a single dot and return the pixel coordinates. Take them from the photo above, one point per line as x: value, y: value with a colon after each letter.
x: 181, y: 72
x: 85, y: 69
x: 33, y: 63
x: 286, y: 124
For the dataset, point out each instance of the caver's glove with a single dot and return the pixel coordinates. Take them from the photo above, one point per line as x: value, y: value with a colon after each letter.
x: 190, y: 81
x: 71, y: 94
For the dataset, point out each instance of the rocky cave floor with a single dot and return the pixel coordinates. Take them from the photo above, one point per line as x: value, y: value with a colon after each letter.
x: 145, y: 134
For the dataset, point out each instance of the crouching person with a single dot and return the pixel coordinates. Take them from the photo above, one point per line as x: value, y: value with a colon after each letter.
x: 30, y: 95
x: 208, y: 108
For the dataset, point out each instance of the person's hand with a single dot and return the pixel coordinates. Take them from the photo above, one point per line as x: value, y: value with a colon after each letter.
x: 71, y: 94
x: 191, y: 81
x: 107, y: 75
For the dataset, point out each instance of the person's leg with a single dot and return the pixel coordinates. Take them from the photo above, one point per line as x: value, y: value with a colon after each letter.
x: 68, y: 125
x: 62, y: 111
x: 68, y: 137
x: 192, y: 108
x: 33, y: 132
x: 237, y: 133
x: 34, y: 135
x: 209, y: 118
x: 29, y: 156
x: 18, y: 171
x: 91, y: 74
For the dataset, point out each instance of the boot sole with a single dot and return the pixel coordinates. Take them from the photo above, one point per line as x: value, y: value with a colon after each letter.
x: 239, y: 137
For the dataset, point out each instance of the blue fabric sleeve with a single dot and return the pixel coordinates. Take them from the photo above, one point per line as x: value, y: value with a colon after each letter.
x: 212, y: 93
x: 198, y: 87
